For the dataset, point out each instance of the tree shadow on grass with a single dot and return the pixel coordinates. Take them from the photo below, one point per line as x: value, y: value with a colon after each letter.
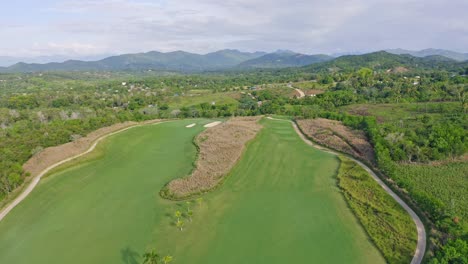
x: 129, y: 256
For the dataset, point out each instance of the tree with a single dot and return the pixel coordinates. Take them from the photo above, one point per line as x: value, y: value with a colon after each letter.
x: 167, y: 259
x: 188, y: 205
x: 461, y: 92
x: 150, y: 257
x: 364, y: 75
x: 455, y: 251
x: 180, y: 224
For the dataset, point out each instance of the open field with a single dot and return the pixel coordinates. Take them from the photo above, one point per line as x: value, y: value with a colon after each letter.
x: 222, y: 98
x: 271, y: 209
x: 310, y: 85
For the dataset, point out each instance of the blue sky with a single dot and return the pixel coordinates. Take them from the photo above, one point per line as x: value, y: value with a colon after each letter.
x: 92, y: 27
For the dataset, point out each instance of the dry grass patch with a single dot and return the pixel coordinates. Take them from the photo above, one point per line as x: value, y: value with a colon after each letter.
x: 335, y: 135
x: 220, y: 147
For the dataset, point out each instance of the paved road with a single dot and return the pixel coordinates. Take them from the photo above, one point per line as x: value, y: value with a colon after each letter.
x: 421, y: 246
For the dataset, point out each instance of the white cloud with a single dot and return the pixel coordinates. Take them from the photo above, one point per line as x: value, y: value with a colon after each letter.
x: 117, y: 26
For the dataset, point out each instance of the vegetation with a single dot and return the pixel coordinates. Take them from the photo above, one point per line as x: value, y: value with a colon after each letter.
x: 389, y: 226
x: 119, y: 212
x: 413, y: 110
x: 455, y: 251
x: 439, y: 189
x: 150, y: 257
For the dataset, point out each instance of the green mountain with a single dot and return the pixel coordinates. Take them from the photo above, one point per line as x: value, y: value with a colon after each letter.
x: 430, y: 52
x: 383, y: 60
x: 153, y: 60
x: 232, y: 57
x: 283, y: 59
x: 235, y: 60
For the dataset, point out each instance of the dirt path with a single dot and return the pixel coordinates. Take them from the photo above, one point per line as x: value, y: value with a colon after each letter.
x: 5, y: 210
x: 301, y: 93
x: 421, y: 246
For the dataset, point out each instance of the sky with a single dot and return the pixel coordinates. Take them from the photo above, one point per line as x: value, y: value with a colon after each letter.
x: 80, y: 28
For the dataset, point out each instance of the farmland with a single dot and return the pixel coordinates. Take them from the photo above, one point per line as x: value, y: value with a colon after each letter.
x: 271, y: 208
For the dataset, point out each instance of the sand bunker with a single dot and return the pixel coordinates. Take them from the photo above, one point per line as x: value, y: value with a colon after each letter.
x: 191, y: 125
x: 213, y: 124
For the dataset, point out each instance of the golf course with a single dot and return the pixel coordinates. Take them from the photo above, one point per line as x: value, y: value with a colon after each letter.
x: 280, y: 204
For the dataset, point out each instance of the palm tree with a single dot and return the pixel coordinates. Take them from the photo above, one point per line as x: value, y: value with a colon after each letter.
x: 180, y: 224
x: 178, y: 214
x: 167, y: 259
x: 150, y: 257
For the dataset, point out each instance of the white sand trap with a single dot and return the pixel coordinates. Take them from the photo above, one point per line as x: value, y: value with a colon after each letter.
x: 213, y: 124
x: 191, y: 125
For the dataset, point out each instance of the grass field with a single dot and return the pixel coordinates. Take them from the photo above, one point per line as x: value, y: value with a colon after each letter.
x: 195, y: 100
x: 280, y: 204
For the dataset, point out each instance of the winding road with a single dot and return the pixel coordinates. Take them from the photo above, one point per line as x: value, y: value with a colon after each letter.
x: 421, y: 246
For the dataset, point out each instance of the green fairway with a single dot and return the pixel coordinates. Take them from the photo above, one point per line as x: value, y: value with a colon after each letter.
x: 280, y: 204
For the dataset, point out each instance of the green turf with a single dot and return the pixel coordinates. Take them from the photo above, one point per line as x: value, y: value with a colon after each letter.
x: 279, y: 205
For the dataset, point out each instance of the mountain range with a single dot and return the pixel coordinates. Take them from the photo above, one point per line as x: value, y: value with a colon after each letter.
x: 458, y: 56
x: 6, y: 61
x: 154, y: 60
x: 234, y: 59
x: 282, y: 59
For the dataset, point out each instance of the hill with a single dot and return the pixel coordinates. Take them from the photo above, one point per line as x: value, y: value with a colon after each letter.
x: 233, y: 59
x: 154, y: 60
x: 283, y: 59
x: 430, y: 52
x: 383, y: 60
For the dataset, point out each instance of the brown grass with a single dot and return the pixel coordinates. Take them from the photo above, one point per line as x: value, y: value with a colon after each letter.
x: 220, y: 148
x: 335, y: 135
